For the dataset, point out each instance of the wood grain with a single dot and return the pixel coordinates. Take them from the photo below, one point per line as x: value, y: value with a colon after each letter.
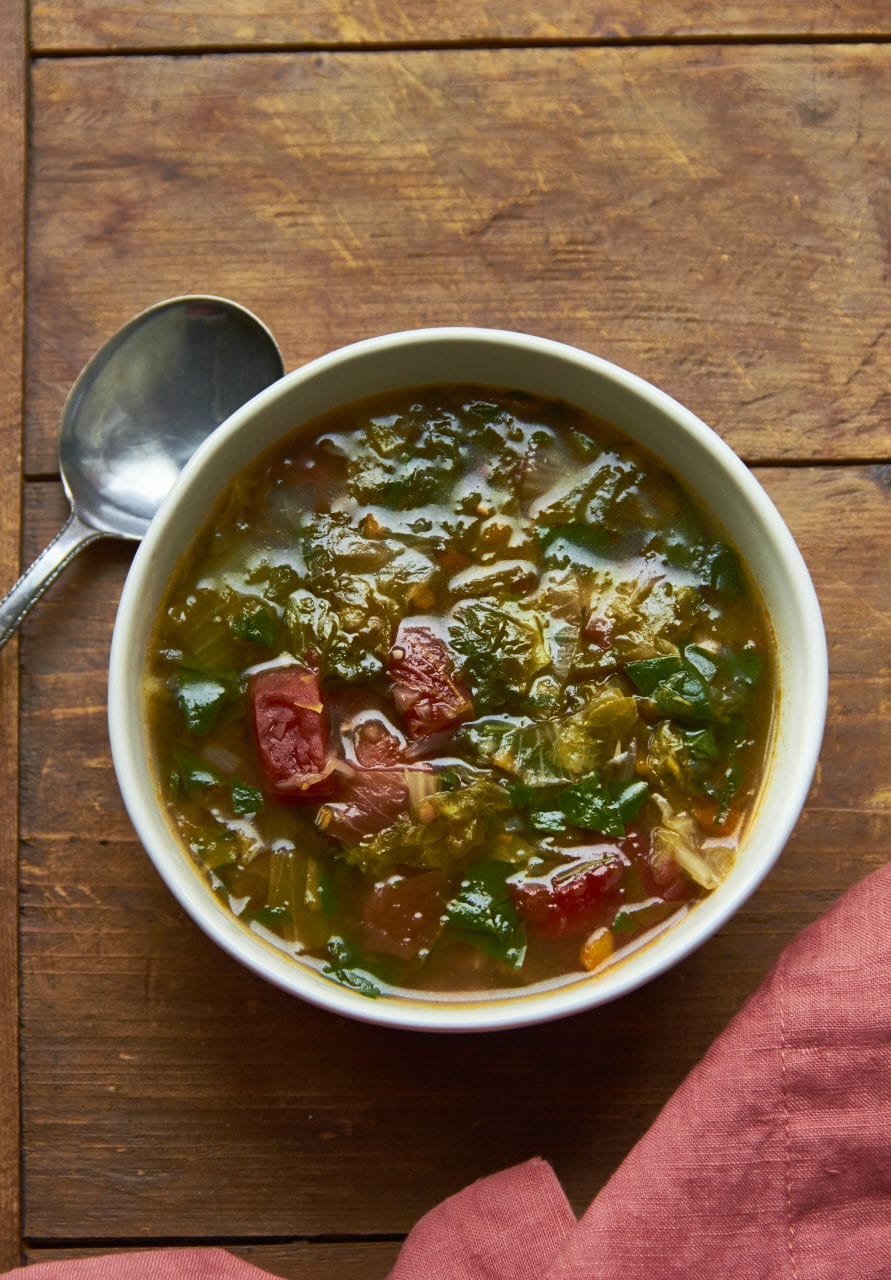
x: 12, y: 217
x: 96, y: 25
x: 717, y: 219
x: 169, y: 1094
x: 290, y: 1260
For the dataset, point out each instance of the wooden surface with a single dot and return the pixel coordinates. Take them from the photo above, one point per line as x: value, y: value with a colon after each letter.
x: 715, y: 216
x: 96, y: 25
x: 12, y: 248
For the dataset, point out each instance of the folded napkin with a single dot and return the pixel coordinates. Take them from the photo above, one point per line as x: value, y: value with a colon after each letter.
x: 772, y: 1161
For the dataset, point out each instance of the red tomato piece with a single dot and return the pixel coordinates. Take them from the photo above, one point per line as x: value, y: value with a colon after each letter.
x: 402, y: 916
x: 290, y: 722
x: 423, y: 683
x: 569, y: 899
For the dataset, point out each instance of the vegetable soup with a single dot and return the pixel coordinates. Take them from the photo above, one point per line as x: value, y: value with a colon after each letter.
x: 458, y: 691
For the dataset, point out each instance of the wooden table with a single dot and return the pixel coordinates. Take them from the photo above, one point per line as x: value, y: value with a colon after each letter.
x: 702, y: 196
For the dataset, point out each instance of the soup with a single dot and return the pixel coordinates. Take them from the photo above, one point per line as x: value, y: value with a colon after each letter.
x: 458, y: 691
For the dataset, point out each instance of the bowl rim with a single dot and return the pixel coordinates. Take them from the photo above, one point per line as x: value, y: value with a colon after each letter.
x: 129, y: 746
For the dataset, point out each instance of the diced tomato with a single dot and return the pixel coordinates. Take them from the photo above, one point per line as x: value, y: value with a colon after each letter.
x: 290, y: 723
x: 368, y: 800
x: 423, y: 683
x: 570, y: 898
x: 403, y: 915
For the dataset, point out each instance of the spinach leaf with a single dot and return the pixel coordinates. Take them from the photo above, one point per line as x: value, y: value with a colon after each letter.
x: 677, y: 687
x: 200, y: 699
x: 573, y: 545
x: 650, y: 672
x: 246, y: 800
x: 345, y: 965
x: 196, y: 776
x: 701, y: 744
x: 483, y: 913
x: 708, y: 564
x: 256, y: 624
x: 271, y: 917
x: 605, y: 807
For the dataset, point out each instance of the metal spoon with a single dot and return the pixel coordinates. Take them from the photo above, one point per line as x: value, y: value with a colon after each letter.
x: 134, y: 417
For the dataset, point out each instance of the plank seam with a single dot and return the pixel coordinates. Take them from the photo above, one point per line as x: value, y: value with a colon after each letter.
x: 437, y: 46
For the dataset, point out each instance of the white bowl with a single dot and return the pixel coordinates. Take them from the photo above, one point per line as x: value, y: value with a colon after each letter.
x: 710, y: 470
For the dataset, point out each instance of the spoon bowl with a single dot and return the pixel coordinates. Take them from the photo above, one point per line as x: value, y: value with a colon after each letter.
x: 136, y: 414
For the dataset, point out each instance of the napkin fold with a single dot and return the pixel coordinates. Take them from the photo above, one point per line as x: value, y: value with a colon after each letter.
x: 772, y: 1161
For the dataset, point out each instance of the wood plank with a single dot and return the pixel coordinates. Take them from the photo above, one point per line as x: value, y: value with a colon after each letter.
x: 152, y: 1062
x: 290, y: 1260
x: 713, y: 218
x: 61, y: 26
x: 13, y: 56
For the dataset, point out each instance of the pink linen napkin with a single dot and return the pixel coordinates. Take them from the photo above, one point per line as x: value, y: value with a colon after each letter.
x: 771, y: 1162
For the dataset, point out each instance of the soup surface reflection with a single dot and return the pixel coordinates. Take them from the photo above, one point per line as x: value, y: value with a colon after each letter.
x: 458, y: 691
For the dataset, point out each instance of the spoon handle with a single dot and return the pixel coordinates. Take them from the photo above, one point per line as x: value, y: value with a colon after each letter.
x: 73, y: 535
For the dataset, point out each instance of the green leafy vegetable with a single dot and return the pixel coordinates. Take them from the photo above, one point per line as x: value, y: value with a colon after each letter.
x: 650, y: 672
x: 501, y: 648
x: 573, y: 545
x: 483, y: 913
x: 200, y: 699
x: 594, y: 805
x: 256, y: 624
x: 346, y: 966
x: 246, y: 800
x: 195, y: 775
x: 271, y: 917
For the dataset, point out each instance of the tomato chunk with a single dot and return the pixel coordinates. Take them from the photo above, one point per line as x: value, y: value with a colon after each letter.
x: 570, y: 898
x: 423, y: 683
x: 402, y: 916
x: 290, y: 723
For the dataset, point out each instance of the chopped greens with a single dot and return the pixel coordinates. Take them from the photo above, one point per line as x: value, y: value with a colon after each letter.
x: 483, y: 913
x: 200, y: 698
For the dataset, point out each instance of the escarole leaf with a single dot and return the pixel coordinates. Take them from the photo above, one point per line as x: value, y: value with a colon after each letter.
x: 562, y: 748
x: 501, y: 648
x: 483, y: 914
